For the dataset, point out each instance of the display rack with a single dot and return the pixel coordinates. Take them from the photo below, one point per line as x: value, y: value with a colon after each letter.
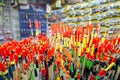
x: 15, y: 23
x: 32, y: 12
x: 5, y: 23
x: 104, y: 12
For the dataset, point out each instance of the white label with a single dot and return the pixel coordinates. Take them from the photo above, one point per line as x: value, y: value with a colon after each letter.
x: 23, y: 1
x: 48, y: 8
x: 25, y: 7
x: 58, y: 3
x: 18, y: 65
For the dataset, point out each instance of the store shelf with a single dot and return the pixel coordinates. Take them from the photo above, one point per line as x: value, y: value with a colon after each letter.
x: 81, y: 13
